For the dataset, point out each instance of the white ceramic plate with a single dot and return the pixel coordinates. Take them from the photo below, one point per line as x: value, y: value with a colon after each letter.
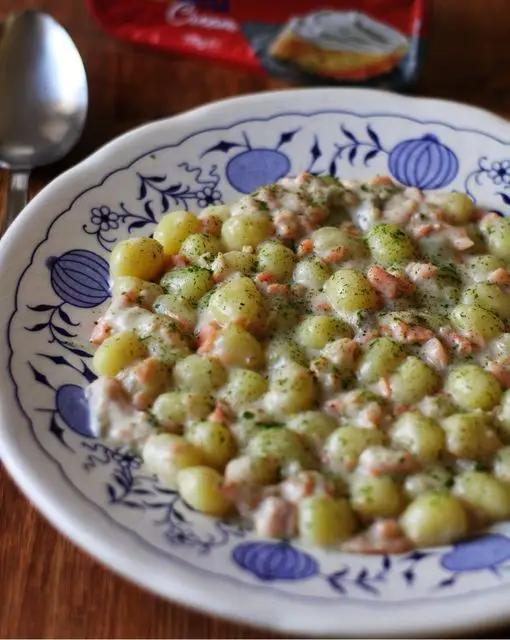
x: 53, y: 266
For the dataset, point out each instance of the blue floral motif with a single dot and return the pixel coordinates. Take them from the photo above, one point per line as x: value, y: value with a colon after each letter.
x: 58, y: 325
x: 352, y: 148
x: 486, y: 552
x: 411, y: 561
x: 497, y: 171
x: 98, y: 455
x: 70, y: 410
x: 126, y: 488
x: 315, y: 154
x: 255, y: 166
x: 275, y: 561
x: 151, y: 188
x: 346, y: 578
x: 124, y: 216
x: 104, y: 218
x: 80, y: 279
x: 208, y: 196
x: 424, y: 162
x: 204, y: 191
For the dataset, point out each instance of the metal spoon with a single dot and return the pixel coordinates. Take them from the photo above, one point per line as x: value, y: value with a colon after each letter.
x: 43, y: 99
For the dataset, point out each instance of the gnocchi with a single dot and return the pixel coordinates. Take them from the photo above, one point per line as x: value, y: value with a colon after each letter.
x: 328, y: 358
x: 174, y: 228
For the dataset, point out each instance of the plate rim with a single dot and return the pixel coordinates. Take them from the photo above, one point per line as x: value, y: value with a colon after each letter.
x: 27, y: 479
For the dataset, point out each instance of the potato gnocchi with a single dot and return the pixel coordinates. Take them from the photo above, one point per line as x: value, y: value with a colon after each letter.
x: 325, y: 359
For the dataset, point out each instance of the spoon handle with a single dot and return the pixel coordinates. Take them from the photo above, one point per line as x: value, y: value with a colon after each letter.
x: 16, y: 197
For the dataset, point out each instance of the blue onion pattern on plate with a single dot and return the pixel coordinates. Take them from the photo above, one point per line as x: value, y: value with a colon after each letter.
x: 485, y: 552
x: 80, y: 278
x: 253, y: 168
x: 424, y: 162
x: 275, y: 561
x: 73, y: 408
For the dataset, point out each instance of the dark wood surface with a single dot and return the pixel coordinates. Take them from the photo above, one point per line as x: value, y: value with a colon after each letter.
x: 48, y: 588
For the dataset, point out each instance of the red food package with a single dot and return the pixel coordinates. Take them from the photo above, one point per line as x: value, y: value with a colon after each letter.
x: 346, y: 41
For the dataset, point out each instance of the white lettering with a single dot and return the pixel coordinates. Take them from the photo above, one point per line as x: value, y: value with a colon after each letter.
x: 183, y: 13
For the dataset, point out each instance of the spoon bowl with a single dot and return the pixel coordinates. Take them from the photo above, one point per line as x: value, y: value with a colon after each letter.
x: 44, y: 98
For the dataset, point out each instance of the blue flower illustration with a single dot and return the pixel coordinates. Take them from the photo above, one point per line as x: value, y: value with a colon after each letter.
x: 499, y: 172
x: 208, y: 195
x: 104, y: 218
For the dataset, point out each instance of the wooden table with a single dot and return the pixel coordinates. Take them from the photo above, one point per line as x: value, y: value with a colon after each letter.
x: 47, y: 587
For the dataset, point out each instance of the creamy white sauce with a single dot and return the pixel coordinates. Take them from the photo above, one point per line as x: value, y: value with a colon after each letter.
x: 122, y: 318
x: 116, y: 420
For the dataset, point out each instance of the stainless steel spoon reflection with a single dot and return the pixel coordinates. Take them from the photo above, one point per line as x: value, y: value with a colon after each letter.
x: 43, y: 99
